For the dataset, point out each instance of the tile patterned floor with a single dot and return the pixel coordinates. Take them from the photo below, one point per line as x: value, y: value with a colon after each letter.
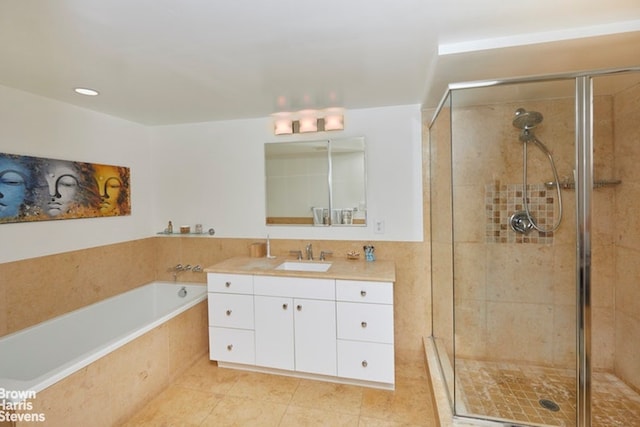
x: 206, y: 395
x: 512, y: 392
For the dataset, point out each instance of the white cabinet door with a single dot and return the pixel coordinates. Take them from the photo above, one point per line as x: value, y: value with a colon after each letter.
x: 366, y: 361
x: 231, y: 345
x: 315, y: 336
x: 365, y: 322
x: 231, y: 310
x: 274, y: 332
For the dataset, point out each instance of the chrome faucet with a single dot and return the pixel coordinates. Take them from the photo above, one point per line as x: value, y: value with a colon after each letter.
x: 309, y: 251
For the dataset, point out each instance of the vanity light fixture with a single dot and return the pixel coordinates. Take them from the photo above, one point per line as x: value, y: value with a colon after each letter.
x: 309, y: 121
x: 308, y: 124
x: 283, y: 126
x: 86, y: 91
x: 334, y: 120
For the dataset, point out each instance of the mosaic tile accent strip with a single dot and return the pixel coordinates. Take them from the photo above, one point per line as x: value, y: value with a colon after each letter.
x: 509, y: 391
x: 503, y: 200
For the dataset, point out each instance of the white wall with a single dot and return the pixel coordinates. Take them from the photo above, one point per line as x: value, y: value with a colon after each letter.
x: 213, y: 173
x: 36, y: 126
x: 210, y: 173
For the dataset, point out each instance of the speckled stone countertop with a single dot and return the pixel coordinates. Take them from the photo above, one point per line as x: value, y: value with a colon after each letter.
x: 378, y: 271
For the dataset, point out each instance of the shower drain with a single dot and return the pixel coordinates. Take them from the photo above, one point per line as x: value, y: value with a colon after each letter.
x: 549, y: 404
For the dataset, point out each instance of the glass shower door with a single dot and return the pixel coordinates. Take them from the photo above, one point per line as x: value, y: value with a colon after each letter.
x: 514, y: 268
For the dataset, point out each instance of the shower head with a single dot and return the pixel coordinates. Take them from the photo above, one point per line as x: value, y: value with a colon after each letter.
x: 526, y: 119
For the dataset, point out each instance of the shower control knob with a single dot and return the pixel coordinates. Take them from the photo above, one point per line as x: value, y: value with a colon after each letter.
x: 227, y: 284
x: 365, y: 364
x: 363, y: 293
x: 230, y: 347
x: 363, y: 324
x: 228, y: 312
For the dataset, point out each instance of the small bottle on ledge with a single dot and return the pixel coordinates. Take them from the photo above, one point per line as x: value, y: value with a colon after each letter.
x: 170, y: 228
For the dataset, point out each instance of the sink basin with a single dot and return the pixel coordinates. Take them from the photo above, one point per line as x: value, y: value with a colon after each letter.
x: 304, y: 266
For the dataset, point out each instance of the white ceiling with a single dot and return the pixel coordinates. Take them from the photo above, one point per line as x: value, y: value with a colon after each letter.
x: 178, y: 61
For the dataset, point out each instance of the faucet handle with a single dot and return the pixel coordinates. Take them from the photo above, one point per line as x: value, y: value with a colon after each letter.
x: 298, y: 254
x: 323, y: 254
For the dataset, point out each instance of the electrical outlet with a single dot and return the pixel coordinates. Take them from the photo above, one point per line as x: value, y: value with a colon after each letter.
x: 378, y: 226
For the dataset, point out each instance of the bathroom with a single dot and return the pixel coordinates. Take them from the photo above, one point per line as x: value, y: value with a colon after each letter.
x: 212, y: 173
x: 79, y: 262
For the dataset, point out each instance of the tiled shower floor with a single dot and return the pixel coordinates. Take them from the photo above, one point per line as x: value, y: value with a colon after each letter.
x: 512, y: 392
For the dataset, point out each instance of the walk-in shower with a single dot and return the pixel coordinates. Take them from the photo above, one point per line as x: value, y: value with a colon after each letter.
x: 522, y: 221
x: 537, y: 328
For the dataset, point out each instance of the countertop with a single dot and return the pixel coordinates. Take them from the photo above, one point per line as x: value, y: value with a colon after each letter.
x: 378, y: 271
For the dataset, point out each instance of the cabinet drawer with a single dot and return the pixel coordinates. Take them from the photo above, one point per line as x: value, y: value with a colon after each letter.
x: 231, y: 345
x: 295, y: 287
x: 230, y: 283
x: 231, y: 310
x: 366, y: 361
x: 365, y: 322
x: 361, y: 291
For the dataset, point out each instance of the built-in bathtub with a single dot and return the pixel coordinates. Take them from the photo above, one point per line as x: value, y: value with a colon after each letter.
x: 38, y: 358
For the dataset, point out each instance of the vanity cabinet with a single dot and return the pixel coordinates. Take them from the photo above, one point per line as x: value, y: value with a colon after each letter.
x: 314, y: 327
x: 365, y: 330
x: 296, y: 324
x: 231, y: 318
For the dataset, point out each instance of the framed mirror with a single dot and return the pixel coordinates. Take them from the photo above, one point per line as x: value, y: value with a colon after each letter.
x: 316, y: 183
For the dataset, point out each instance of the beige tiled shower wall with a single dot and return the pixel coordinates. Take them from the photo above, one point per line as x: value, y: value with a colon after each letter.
x: 626, y: 108
x: 34, y: 290
x: 515, y: 301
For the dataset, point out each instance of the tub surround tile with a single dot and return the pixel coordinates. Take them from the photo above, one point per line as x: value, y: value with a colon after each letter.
x: 108, y: 391
x: 71, y: 280
x: 188, y: 338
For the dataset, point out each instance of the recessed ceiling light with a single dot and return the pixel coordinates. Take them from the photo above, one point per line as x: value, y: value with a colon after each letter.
x: 86, y: 91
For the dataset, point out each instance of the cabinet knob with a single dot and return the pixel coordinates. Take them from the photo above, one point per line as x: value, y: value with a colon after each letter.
x: 299, y: 307
x: 364, y: 364
x: 363, y: 293
x: 228, y: 312
x: 230, y: 347
x: 227, y: 284
x: 285, y: 306
x: 363, y: 324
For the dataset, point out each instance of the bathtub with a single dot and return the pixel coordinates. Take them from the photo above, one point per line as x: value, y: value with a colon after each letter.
x: 39, y: 356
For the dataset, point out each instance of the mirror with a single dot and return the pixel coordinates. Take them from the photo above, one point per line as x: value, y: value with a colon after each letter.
x: 316, y: 183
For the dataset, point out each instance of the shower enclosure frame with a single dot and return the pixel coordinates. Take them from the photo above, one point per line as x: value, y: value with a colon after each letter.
x: 584, y: 187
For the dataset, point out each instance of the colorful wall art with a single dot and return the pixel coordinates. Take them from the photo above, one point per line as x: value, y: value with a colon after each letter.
x: 40, y: 189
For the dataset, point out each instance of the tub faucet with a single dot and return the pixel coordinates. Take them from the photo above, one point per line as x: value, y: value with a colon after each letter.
x: 309, y: 251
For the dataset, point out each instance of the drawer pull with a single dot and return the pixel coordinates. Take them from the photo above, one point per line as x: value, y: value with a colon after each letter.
x: 364, y: 364
x: 228, y: 312
x: 363, y: 324
x: 227, y: 284
x: 230, y: 347
x: 285, y: 306
x: 363, y: 293
x: 299, y: 307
